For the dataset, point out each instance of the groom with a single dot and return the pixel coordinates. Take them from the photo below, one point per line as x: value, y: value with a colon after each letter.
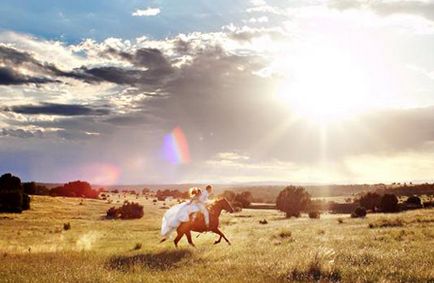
x: 203, y: 200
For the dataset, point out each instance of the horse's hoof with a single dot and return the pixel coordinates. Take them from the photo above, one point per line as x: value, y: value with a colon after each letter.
x: 229, y: 243
x: 216, y: 242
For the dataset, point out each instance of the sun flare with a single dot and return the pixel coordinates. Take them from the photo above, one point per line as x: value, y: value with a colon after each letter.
x: 326, y: 85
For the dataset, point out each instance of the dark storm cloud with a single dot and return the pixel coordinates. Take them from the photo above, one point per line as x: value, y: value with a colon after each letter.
x: 151, y: 58
x: 117, y: 75
x: 59, y: 109
x: 421, y: 8
x: 10, y: 77
x: 158, y: 68
x: 12, y: 56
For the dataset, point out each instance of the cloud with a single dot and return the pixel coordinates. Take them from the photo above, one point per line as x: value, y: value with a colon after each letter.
x: 10, y: 77
x: 384, y: 7
x: 58, y: 109
x: 118, y: 98
x: 21, y: 133
x: 146, y: 12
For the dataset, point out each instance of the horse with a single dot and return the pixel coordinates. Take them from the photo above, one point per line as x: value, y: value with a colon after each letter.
x: 197, y: 222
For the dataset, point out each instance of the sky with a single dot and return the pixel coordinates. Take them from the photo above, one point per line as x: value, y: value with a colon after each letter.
x: 133, y: 92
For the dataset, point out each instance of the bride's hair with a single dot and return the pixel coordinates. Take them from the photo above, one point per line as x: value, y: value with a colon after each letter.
x: 194, y: 191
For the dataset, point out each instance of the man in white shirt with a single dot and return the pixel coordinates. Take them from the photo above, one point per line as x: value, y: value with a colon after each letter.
x: 203, y: 200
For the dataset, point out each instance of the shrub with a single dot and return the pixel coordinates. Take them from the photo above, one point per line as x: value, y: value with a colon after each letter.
x: 384, y: 223
x: 389, y: 203
x: 264, y: 221
x: 12, y: 196
x: 359, y: 212
x: 293, y: 200
x: 284, y: 234
x: 112, y: 213
x: 413, y: 202
x: 66, y: 226
x: 314, y: 214
x: 237, y: 206
x: 129, y: 210
x: 138, y: 246
x: 315, y: 272
x: 340, y: 220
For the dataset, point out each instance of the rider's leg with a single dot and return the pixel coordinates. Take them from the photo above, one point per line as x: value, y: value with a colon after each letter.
x: 205, y: 215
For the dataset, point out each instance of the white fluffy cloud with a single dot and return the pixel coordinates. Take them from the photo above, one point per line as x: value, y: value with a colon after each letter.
x: 146, y: 12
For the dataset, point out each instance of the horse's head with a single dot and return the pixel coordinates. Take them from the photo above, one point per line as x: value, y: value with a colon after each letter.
x: 226, y: 205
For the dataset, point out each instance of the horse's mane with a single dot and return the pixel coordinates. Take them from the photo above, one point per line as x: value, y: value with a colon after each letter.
x: 214, y: 203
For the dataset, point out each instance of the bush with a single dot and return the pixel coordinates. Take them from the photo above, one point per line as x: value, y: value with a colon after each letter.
x: 129, y: 210
x: 66, y: 226
x: 413, y: 202
x: 385, y: 223
x: 237, y: 206
x: 138, y: 246
x: 370, y: 201
x: 112, y: 213
x: 12, y: 196
x: 389, y: 203
x: 359, y: 212
x: 293, y: 200
x: 264, y: 221
x: 314, y: 214
x: 315, y: 272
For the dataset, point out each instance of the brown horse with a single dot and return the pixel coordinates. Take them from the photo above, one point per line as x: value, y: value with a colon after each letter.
x: 197, y: 223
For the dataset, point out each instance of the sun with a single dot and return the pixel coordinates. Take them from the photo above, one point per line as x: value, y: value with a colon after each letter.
x: 325, y: 85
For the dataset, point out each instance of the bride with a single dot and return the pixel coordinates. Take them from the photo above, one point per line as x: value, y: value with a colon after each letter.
x: 181, y: 212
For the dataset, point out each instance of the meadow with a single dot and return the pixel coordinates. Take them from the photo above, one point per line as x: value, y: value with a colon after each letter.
x: 36, y: 247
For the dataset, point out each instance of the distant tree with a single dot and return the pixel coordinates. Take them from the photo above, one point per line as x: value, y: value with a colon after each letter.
x: 145, y: 191
x: 245, y: 198
x: 229, y: 195
x: 12, y: 196
x: 389, y: 203
x: 31, y: 188
x: 75, y: 189
x: 370, y: 201
x: 293, y: 200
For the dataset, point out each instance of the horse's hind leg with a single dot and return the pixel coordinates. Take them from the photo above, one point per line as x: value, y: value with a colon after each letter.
x: 190, y: 241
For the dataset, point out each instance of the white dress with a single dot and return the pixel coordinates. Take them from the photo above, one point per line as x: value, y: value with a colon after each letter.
x: 176, y: 215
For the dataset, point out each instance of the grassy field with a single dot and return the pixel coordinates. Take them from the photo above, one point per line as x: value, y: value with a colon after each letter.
x: 34, y: 247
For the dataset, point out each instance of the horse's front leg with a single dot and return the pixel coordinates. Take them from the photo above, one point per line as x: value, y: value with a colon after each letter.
x: 178, y: 237
x: 217, y: 231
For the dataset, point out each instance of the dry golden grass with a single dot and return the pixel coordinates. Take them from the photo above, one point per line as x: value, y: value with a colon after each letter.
x: 34, y: 247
